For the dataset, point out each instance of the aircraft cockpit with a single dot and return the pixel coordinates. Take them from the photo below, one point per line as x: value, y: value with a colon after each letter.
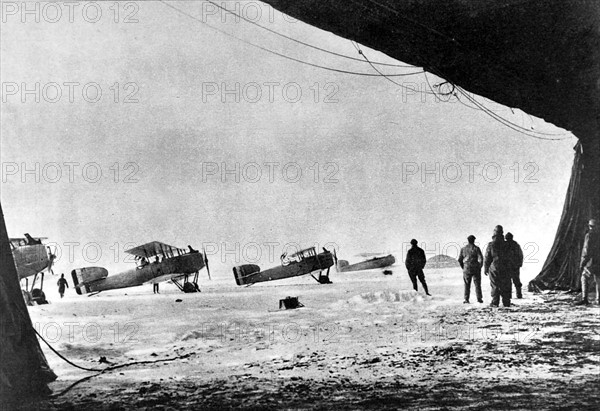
x: 23, y: 241
x: 156, y: 252
x: 298, y: 256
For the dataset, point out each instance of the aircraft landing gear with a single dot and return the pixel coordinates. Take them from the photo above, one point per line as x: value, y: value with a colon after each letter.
x: 38, y: 296
x: 323, y: 279
x: 188, y: 286
x: 35, y: 295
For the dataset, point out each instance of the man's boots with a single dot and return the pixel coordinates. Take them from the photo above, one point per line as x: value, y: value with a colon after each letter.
x: 584, y: 292
x: 519, y: 293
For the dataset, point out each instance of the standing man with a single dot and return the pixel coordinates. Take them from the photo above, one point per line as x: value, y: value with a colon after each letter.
x: 62, y: 283
x: 471, y: 261
x: 495, y: 265
x: 155, y: 288
x: 515, y: 262
x: 415, y: 262
x: 590, y: 263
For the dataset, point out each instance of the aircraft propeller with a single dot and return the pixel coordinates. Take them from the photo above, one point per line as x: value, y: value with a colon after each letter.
x: 51, y: 258
x: 206, y: 262
x: 335, y: 259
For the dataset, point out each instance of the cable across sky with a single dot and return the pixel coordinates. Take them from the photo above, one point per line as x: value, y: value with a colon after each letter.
x: 281, y: 54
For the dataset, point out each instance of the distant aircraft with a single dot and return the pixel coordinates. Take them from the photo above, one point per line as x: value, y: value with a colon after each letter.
x: 300, y: 263
x: 376, y: 262
x: 169, y: 263
x: 31, y: 259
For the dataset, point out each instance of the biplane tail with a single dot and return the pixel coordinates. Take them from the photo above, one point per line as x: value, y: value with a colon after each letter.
x: 243, y: 273
x: 84, y: 277
x: 341, y: 264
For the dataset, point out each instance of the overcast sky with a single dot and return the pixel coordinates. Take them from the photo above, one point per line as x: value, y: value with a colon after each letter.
x: 359, y: 143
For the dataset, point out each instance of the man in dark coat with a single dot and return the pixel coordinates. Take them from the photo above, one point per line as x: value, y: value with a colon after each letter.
x: 62, y: 283
x: 415, y: 262
x: 495, y: 266
x: 471, y: 261
x: 515, y: 262
x: 590, y: 263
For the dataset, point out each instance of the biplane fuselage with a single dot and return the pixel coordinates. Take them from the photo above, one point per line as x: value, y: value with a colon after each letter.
x: 185, y: 264
x: 30, y: 259
x: 309, y: 262
x: 377, y: 262
x: 173, y: 266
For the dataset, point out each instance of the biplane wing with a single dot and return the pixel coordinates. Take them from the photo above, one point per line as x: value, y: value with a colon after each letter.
x: 367, y: 255
x: 154, y: 248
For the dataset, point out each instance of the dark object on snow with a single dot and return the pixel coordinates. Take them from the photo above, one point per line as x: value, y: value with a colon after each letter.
x: 38, y: 296
x: 290, y: 303
x: 388, y: 272
x: 190, y: 287
x: 178, y: 300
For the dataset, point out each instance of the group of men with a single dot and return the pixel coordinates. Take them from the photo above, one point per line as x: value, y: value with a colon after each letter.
x: 502, y: 264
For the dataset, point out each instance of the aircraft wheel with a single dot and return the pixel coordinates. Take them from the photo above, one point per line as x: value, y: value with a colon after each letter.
x: 190, y: 287
x: 38, y: 296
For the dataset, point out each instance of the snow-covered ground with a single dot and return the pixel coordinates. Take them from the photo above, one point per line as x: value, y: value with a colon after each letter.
x: 366, y: 341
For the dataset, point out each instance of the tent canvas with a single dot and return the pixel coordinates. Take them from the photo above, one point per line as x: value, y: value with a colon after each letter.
x: 24, y: 372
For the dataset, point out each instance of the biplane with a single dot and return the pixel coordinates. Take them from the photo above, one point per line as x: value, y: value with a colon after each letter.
x: 300, y: 263
x: 156, y: 262
x: 32, y: 258
x: 375, y: 262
